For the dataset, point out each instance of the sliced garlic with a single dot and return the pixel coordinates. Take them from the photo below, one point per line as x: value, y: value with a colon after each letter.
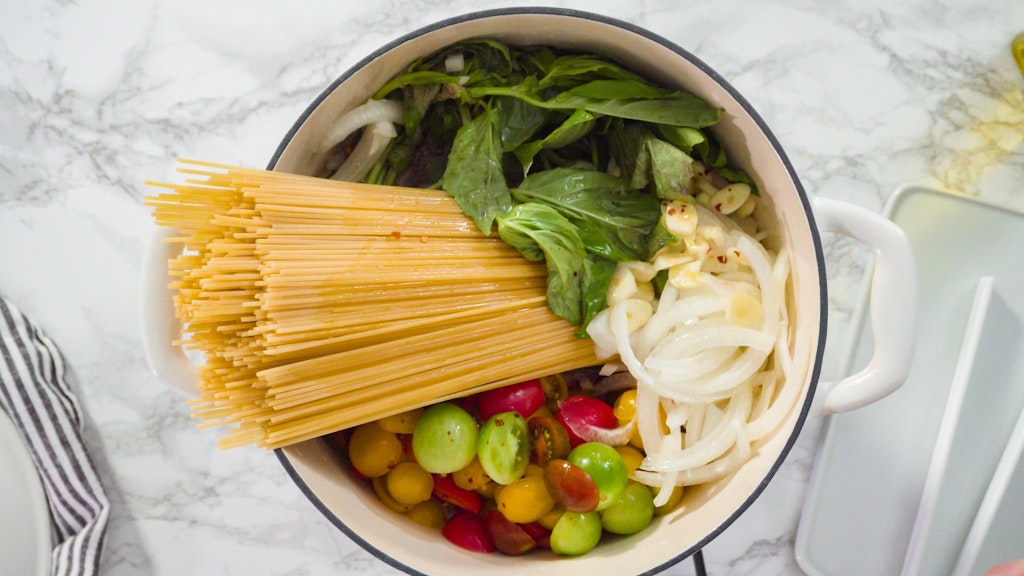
x: 622, y: 285
x: 729, y: 199
x: 680, y: 217
x: 744, y: 310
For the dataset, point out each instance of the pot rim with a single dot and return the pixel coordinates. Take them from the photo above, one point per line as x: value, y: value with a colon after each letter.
x: 815, y: 371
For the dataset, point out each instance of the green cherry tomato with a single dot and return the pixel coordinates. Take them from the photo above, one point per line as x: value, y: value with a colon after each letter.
x: 576, y: 533
x: 504, y: 447
x: 632, y: 512
x: 444, y: 439
x: 604, y: 464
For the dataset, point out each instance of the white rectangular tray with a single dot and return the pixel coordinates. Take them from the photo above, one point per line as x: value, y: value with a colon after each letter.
x: 864, y: 503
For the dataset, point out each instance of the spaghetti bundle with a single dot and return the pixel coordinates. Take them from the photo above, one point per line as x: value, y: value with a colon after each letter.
x: 319, y: 305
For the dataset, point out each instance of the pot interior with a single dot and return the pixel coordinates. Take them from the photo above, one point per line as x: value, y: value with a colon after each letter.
x: 706, y: 510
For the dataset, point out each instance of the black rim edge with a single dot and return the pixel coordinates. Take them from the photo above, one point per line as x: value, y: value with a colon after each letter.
x: 776, y: 146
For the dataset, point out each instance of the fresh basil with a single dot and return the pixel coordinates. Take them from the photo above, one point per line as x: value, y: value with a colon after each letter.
x: 474, y: 175
x: 539, y: 232
x: 612, y: 221
x: 571, y: 154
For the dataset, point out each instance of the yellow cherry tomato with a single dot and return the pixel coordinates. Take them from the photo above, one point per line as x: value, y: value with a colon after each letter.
x: 525, y: 500
x: 409, y: 483
x: 472, y: 476
x: 401, y: 423
x: 631, y: 457
x: 373, y: 451
x: 673, y: 501
x: 428, y: 513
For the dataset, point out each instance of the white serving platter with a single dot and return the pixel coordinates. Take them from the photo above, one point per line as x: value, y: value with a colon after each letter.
x: 25, y: 527
x: 871, y: 507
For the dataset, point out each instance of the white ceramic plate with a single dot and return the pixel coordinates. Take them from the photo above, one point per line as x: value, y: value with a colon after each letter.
x: 25, y: 529
x: 864, y: 502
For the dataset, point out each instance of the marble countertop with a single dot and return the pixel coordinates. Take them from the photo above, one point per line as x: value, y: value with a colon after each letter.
x: 97, y: 97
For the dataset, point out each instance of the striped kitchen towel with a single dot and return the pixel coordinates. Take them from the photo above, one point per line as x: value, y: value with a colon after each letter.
x: 35, y: 394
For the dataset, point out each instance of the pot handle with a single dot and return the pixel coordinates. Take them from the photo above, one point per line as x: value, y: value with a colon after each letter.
x: 893, y: 300
x: 160, y: 327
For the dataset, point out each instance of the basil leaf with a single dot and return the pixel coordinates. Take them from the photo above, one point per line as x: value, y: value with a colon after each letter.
x: 658, y: 239
x: 645, y: 159
x: 616, y: 90
x: 576, y: 126
x: 737, y: 175
x: 518, y: 121
x: 683, y: 137
x: 539, y: 232
x: 679, y: 109
x: 474, y: 175
x: 416, y: 78
x: 611, y: 221
x: 573, y: 70
x: 671, y: 169
x: 597, y: 276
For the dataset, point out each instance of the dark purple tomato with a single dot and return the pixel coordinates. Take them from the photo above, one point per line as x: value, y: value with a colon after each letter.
x: 469, y: 531
x: 524, y: 397
x: 578, y: 410
x: 508, y: 537
x: 550, y: 440
x: 571, y: 486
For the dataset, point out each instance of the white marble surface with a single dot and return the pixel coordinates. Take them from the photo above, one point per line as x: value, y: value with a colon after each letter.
x: 96, y: 97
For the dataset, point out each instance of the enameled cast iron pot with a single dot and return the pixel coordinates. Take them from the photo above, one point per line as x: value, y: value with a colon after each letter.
x: 794, y: 220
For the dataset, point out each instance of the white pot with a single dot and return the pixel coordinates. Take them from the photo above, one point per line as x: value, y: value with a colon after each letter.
x: 793, y: 219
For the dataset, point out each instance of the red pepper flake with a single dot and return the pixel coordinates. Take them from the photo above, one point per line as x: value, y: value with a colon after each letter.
x: 718, y: 207
x: 396, y: 234
x: 737, y: 253
x: 671, y: 211
x: 721, y: 259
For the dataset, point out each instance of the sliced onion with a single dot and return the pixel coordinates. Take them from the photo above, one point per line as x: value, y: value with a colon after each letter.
x: 371, y: 147
x: 709, y: 447
x: 360, y: 116
x: 612, y: 436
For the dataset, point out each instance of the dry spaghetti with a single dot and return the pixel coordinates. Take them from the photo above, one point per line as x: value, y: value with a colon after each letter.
x: 319, y: 305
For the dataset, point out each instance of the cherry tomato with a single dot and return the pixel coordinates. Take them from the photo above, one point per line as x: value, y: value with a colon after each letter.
x: 631, y: 512
x: 444, y: 438
x: 578, y: 410
x: 503, y: 447
x: 605, y: 466
x: 525, y: 500
x: 576, y: 533
x: 446, y: 490
x: 550, y: 439
x: 508, y: 537
x: 524, y: 398
x: 471, y: 476
x: 380, y: 488
x: 469, y: 531
x: 401, y: 423
x: 428, y: 513
x: 571, y: 486
x: 540, y: 534
x: 373, y: 451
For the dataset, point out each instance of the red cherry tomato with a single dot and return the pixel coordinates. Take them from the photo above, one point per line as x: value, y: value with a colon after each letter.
x: 571, y: 486
x: 508, y: 537
x: 446, y: 490
x: 577, y: 410
x: 524, y: 397
x: 540, y: 534
x: 469, y: 531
